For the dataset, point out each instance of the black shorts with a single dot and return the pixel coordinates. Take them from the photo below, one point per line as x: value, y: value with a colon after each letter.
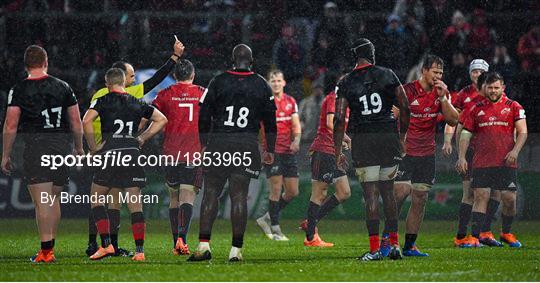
x: 375, y: 149
x: 285, y: 165
x: 495, y: 178
x: 323, y: 167
x: 34, y: 173
x: 114, y: 176
x: 251, y: 169
x: 181, y: 174
x: 417, y: 170
x: 469, y: 158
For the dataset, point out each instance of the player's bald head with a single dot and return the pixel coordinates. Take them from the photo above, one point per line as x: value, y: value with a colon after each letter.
x: 115, y: 77
x: 242, y: 54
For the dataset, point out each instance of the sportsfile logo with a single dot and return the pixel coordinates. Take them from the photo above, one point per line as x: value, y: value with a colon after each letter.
x: 121, y: 159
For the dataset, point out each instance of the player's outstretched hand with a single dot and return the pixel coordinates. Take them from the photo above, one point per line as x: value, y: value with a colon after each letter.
x: 268, y: 158
x: 447, y: 149
x: 6, y: 165
x: 511, y: 158
x: 461, y: 165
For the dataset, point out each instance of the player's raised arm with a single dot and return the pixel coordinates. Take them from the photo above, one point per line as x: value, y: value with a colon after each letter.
x: 164, y: 70
x: 8, y: 136
x: 404, y: 113
x: 451, y: 115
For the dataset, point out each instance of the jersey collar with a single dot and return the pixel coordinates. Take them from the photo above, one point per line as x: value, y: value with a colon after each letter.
x: 240, y: 72
x: 363, y: 66
x: 37, y: 78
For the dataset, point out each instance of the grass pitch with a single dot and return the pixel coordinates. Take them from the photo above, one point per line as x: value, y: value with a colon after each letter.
x: 266, y: 260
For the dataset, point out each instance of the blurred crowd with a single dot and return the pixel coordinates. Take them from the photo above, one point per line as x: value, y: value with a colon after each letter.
x: 308, y: 40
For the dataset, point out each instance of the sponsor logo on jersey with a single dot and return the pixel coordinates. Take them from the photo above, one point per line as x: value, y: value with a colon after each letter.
x: 492, y: 118
x: 505, y: 110
x: 427, y: 109
x: 512, y: 185
x: 288, y: 107
x: 481, y: 113
x: 415, y: 102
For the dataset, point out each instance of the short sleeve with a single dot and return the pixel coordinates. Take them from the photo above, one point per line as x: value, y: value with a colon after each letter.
x: 330, y: 107
x: 146, y: 110
x: 295, y: 106
x: 393, y: 80
x: 70, y: 98
x: 97, y: 105
x: 13, y: 98
x: 468, y: 120
x: 159, y: 101
x: 519, y: 112
x: 457, y: 102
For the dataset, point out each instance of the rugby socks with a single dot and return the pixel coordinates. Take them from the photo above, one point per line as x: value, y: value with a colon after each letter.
x: 103, y: 225
x: 273, y: 210
x: 478, y: 219
x: 410, y: 239
x: 373, y: 231
x: 92, y: 229
x: 391, y: 226
x: 138, y: 226
x: 184, y: 219
x: 114, y: 221
x: 465, y: 211
x: 173, y: 219
x: 313, y: 212
x: 328, y: 205
x: 47, y: 246
x: 238, y: 241
x: 282, y: 203
x: 493, y: 206
x: 507, y: 223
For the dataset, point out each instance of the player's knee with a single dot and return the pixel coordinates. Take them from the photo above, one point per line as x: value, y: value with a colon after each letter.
x: 343, y: 195
x: 291, y: 193
x: 481, y: 195
x: 420, y: 197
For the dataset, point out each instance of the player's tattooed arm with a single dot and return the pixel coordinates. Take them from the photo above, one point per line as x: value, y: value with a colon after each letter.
x: 404, y: 113
x: 8, y: 136
x: 88, y: 129
x: 76, y: 128
x: 521, y: 131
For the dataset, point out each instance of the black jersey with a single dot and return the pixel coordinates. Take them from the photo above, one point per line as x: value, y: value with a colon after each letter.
x: 120, y: 115
x: 44, y: 119
x: 370, y: 91
x: 233, y: 107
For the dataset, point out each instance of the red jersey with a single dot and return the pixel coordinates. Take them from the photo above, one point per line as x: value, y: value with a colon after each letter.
x: 493, y: 127
x: 424, y: 106
x: 466, y: 98
x: 324, y: 140
x: 180, y: 104
x: 285, y: 108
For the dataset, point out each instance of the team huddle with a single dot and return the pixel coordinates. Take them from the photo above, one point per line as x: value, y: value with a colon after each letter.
x: 389, y: 129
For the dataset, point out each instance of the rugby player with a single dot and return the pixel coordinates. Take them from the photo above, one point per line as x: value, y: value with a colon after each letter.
x: 466, y: 98
x: 324, y: 172
x: 492, y: 122
x: 180, y: 104
x: 284, y: 171
x: 46, y: 110
x: 370, y: 91
x: 428, y: 96
x: 120, y: 115
x: 137, y: 91
x: 231, y: 110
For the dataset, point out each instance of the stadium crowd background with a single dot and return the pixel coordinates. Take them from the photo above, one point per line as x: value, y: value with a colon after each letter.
x: 308, y: 40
